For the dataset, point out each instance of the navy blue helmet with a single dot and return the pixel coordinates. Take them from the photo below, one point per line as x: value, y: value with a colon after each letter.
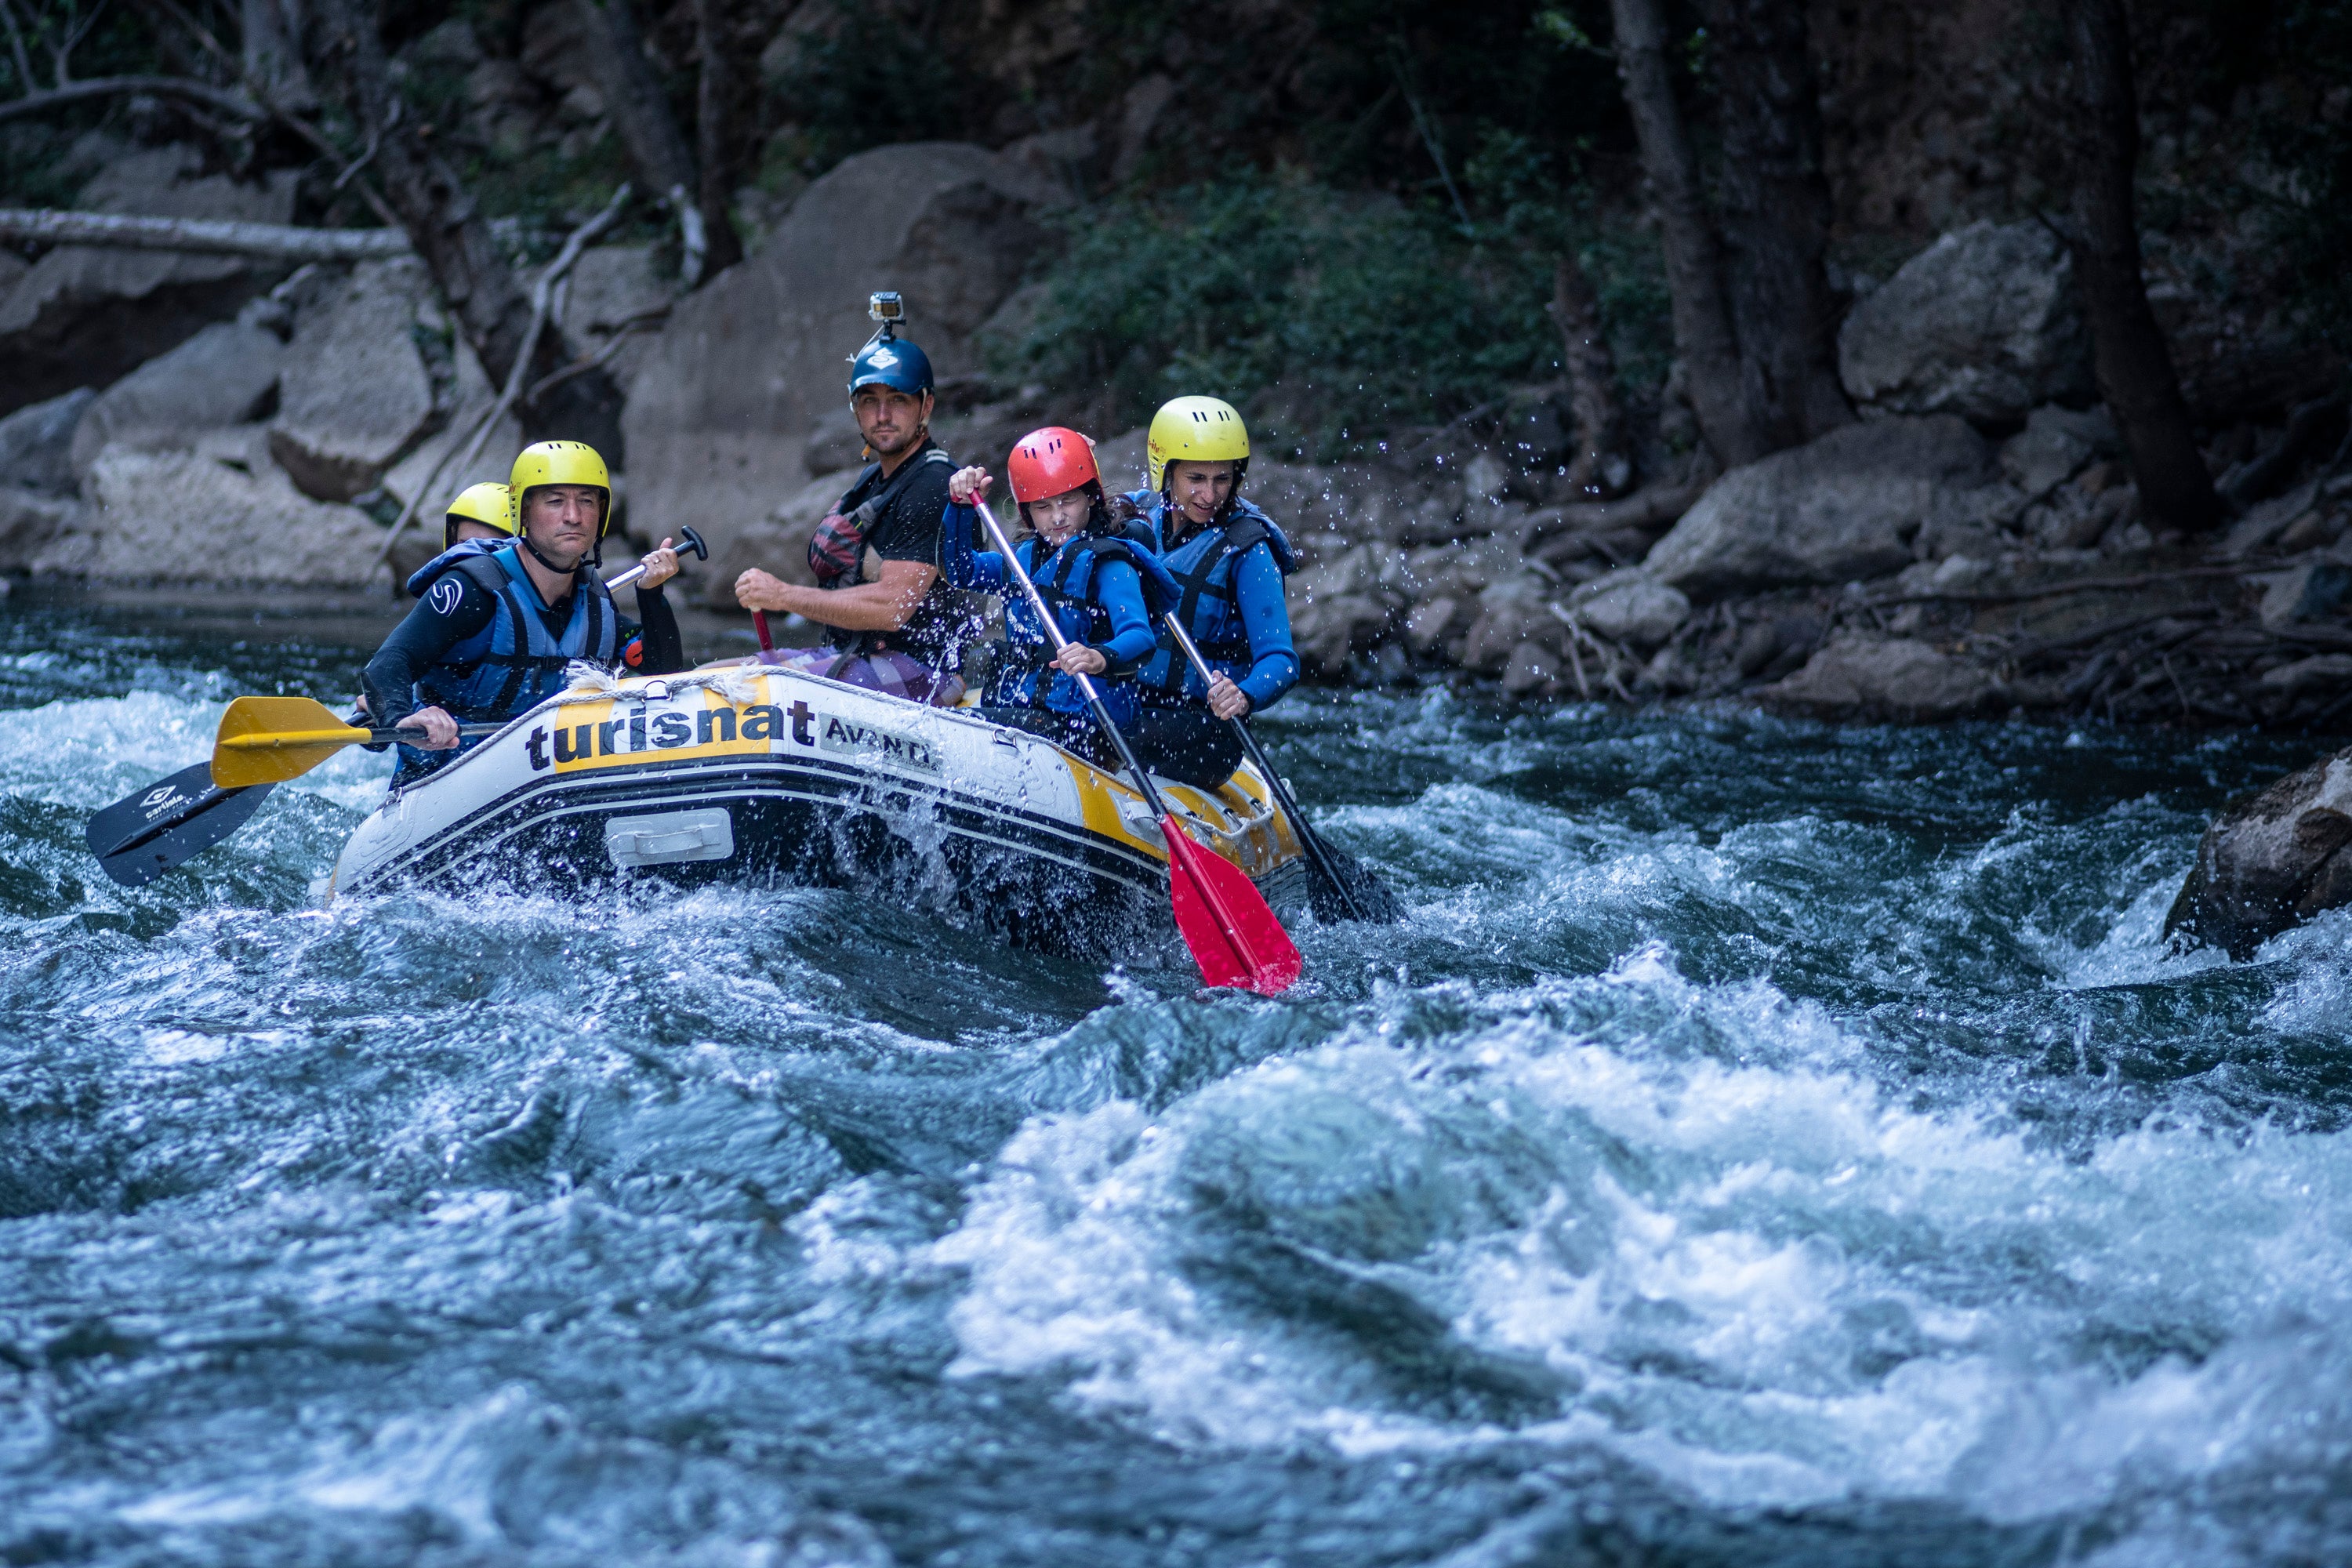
x: 892, y: 362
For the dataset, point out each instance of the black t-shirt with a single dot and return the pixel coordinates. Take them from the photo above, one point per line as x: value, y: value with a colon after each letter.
x: 908, y: 530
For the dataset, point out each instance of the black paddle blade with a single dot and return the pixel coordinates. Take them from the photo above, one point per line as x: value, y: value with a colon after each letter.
x: 1377, y: 904
x: 142, y: 836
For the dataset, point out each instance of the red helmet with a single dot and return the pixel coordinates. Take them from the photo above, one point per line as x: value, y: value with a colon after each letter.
x: 1049, y: 462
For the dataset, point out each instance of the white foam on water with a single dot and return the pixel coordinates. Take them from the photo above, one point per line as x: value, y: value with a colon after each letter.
x: 1767, y: 1279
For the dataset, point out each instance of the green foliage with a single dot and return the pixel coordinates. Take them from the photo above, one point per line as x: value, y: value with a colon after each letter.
x: 876, y: 81
x: 2310, y: 214
x: 1348, y: 316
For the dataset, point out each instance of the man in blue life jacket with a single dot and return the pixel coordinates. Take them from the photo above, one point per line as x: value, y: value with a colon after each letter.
x: 494, y: 633
x: 1228, y: 560
x: 901, y: 633
x: 1102, y: 585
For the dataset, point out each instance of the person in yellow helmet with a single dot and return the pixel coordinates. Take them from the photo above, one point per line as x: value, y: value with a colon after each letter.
x: 1229, y: 560
x: 493, y: 634
x: 478, y: 520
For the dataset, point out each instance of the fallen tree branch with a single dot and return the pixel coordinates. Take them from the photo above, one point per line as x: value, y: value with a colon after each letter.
x: 543, y: 299
x: 277, y: 242
x: 1644, y: 509
x: 187, y: 88
x: 2079, y: 585
x: 643, y: 322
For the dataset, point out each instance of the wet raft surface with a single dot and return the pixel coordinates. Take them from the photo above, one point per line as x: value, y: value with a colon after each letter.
x: 1761, y: 1144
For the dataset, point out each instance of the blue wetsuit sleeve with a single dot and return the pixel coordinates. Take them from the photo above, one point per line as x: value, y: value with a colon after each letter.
x: 966, y: 567
x: 1265, y: 615
x: 1119, y: 588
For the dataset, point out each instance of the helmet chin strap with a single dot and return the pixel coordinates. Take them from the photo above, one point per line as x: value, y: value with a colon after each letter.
x: 543, y: 561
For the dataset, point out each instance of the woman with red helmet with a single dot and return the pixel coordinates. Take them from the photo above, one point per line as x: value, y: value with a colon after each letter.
x: 1106, y: 588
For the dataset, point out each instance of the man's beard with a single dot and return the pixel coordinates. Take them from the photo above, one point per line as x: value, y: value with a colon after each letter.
x: 906, y: 437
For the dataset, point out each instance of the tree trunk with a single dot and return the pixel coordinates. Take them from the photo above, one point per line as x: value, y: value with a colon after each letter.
x: 207, y: 236
x: 1775, y: 218
x: 1598, y: 471
x: 650, y: 133
x: 272, y: 54
x: 2135, y: 367
x: 717, y: 93
x: 448, y: 232
x: 1703, y: 333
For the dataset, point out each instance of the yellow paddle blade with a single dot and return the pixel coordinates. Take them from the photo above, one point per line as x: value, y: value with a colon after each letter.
x: 268, y: 739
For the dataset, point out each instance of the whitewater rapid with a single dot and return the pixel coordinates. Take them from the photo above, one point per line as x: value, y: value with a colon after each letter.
x: 1760, y: 1142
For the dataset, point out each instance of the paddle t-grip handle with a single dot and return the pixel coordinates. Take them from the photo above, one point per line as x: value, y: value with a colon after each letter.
x: 692, y: 541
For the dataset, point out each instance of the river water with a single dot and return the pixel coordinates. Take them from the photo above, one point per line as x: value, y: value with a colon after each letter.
x: 1761, y: 1143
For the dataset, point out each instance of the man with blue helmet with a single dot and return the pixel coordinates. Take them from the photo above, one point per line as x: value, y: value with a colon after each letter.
x: 899, y: 632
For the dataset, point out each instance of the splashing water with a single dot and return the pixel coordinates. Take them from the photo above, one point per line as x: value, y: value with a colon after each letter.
x: 1761, y: 1143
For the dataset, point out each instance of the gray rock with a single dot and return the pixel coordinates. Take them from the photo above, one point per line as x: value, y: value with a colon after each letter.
x: 356, y: 395
x: 717, y: 416
x: 183, y: 516
x: 1428, y: 627
x: 1631, y: 607
x: 2325, y: 671
x: 222, y: 376
x: 2271, y: 860
x: 2055, y: 445
x: 1875, y: 678
x: 36, y: 444
x: 614, y: 291
x: 1532, y: 671
x: 87, y: 315
x: 835, y: 445
x: 1984, y: 322
x: 1513, y: 612
x: 29, y: 522
x: 2304, y: 593
x: 1841, y: 508
x: 2265, y: 522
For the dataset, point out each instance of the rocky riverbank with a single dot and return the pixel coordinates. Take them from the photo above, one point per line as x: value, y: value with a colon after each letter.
x: 1971, y: 545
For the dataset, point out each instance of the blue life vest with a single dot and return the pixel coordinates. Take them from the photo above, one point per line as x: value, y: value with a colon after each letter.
x: 1201, y: 568
x: 464, y: 549
x: 1069, y: 582
x: 513, y: 664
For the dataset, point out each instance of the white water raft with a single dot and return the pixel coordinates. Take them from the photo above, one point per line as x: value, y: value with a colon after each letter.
x: 752, y: 775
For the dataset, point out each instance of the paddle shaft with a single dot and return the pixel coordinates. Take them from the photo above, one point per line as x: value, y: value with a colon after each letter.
x: 1094, y: 698
x: 350, y: 735
x: 1308, y: 839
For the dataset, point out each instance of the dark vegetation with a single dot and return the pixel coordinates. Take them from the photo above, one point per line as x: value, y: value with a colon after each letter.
x: 1364, y: 215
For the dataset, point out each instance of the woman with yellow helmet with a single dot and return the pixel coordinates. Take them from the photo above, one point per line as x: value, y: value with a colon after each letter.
x: 1229, y: 561
x: 494, y: 632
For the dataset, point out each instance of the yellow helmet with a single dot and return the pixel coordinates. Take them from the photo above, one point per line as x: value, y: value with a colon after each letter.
x: 1204, y: 429
x: 562, y: 463
x: 493, y: 505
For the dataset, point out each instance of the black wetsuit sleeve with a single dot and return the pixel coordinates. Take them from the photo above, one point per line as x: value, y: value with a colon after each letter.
x: 439, y: 622
x: 654, y: 646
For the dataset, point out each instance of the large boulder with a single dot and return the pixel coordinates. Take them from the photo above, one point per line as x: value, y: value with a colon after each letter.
x: 36, y: 444
x: 1881, y: 677
x: 2270, y: 860
x: 1841, y: 508
x: 29, y: 524
x: 358, y: 393
x: 1984, y: 322
x: 718, y: 416
x: 87, y: 315
x: 222, y: 376
x: 222, y: 515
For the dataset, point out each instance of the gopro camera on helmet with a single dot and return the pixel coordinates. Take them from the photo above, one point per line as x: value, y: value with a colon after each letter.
x: 888, y: 307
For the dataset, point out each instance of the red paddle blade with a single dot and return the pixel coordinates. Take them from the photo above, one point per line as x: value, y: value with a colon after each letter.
x: 1235, y: 938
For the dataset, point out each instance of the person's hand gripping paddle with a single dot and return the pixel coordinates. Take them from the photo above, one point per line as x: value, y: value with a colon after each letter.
x: 262, y: 740
x: 1344, y: 888
x: 1222, y: 916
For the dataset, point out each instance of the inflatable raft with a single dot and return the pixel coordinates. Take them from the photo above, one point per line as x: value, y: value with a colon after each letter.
x: 752, y: 775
